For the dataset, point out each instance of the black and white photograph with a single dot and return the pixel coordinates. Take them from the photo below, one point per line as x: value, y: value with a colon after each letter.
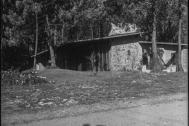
x: 94, y: 62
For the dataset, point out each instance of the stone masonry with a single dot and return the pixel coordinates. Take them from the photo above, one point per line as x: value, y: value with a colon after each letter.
x: 185, y: 59
x: 125, y: 55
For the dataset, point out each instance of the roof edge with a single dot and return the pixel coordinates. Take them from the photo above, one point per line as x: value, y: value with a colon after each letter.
x: 164, y: 43
x: 107, y: 37
x: 95, y: 39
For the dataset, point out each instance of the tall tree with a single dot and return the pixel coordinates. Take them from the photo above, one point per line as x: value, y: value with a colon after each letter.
x: 177, y: 14
x: 156, y: 66
x: 36, y: 39
x: 179, y: 64
x: 14, y: 34
x: 144, y: 14
x: 61, y: 11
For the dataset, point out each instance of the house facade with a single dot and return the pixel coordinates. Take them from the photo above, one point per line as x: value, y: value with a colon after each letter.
x: 113, y: 53
x: 169, y: 52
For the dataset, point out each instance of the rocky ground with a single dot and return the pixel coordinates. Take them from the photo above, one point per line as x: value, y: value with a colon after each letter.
x: 69, y: 88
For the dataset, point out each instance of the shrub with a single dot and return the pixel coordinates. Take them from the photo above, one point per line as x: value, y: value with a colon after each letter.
x: 10, y: 78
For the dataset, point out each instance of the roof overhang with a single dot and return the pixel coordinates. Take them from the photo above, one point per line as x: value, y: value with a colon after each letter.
x: 105, y: 38
x: 96, y: 39
x: 163, y: 43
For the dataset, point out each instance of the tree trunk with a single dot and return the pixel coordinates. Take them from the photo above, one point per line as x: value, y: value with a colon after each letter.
x: 53, y: 61
x: 63, y: 32
x: 99, y: 29
x: 179, y: 65
x: 169, y: 29
x: 28, y: 63
x: 77, y: 35
x: 36, y: 43
x: 55, y: 42
x: 156, y: 65
x: 91, y: 31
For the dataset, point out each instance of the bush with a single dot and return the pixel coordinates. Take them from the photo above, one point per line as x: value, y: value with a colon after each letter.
x: 10, y: 78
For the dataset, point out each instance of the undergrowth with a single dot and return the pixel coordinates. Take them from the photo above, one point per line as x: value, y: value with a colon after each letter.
x: 11, y: 78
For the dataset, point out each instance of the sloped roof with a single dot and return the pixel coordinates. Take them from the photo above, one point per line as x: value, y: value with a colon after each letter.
x: 112, y: 37
x: 163, y: 43
x: 96, y: 39
x: 108, y: 37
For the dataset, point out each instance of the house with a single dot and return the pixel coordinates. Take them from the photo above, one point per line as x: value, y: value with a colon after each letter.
x: 169, y: 51
x: 113, y: 53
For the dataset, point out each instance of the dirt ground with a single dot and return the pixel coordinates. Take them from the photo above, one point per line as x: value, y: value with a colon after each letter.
x: 70, y: 88
x: 162, y: 114
x: 168, y: 110
x: 71, y: 93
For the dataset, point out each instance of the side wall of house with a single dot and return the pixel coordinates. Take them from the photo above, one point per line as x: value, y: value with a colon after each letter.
x: 78, y: 56
x: 169, y: 50
x: 125, y: 53
x: 61, y: 60
x: 75, y: 56
x: 185, y: 59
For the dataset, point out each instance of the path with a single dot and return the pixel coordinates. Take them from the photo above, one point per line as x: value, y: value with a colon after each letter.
x: 172, y: 113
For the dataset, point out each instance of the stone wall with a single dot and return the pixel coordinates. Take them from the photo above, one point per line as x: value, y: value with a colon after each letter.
x: 125, y: 54
x: 185, y: 59
x: 127, y: 28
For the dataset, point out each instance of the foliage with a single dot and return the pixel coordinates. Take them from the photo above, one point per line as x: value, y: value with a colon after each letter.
x: 15, y: 57
x: 140, y: 12
x: 17, y: 34
x: 15, y: 78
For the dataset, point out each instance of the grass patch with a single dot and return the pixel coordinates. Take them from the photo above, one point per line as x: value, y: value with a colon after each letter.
x: 81, y: 88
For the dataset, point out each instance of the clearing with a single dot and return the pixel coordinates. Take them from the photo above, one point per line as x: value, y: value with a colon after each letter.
x: 69, y: 89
